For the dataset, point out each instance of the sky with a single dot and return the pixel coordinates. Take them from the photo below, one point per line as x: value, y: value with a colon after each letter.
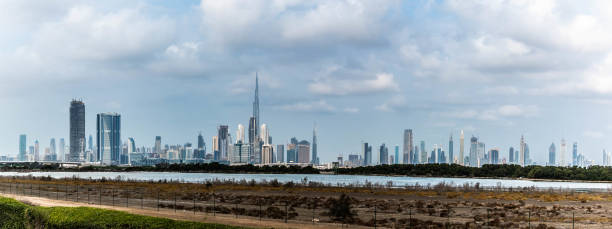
x: 360, y: 70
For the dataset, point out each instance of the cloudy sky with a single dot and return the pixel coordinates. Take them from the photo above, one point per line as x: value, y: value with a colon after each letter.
x: 362, y: 70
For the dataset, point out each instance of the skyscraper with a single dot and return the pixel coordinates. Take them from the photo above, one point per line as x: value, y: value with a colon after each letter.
x: 407, y: 153
x: 522, y: 151
x: 90, y: 146
x: 223, y: 138
x: 77, y: 131
x: 36, y: 150
x: 575, y: 154
x: 383, y: 156
x: 157, y: 148
x: 451, y: 157
x: 22, y: 147
x: 367, y: 153
x: 53, y: 149
x: 292, y: 156
x: 280, y: 153
x: 511, y: 156
x: 256, y: 105
x: 315, y: 157
x: 303, y: 152
x: 473, y: 152
x: 62, y: 150
x: 562, y: 151
x: 396, y: 157
x: 494, y: 155
x: 423, y: 153
x: 109, y: 138
x: 461, y: 146
x: 240, y: 134
x: 527, y: 158
x: 551, y: 155
x: 201, y: 144
x: 131, y: 150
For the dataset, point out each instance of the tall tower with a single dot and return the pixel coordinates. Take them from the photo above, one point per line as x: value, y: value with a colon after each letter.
x: 522, y: 151
x: 562, y: 153
x: 200, y: 141
x: 551, y: 155
x: 256, y: 105
x: 474, y: 152
x: 408, y: 147
x: 315, y: 157
x: 461, y: 146
x: 77, y: 130
x: 451, y: 158
x: 108, y: 136
x: 575, y: 154
x: 22, y: 147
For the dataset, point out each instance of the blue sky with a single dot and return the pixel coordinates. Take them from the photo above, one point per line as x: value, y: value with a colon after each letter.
x: 362, y: 70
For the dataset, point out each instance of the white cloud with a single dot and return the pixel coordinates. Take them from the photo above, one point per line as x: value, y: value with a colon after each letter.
x: 396, y: 102
x: 496, y: 113
x: 311, y: 106
x: 330, y: 86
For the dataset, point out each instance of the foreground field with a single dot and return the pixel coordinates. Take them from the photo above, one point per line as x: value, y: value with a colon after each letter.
x: 312, y: 205
x: 15, y: 214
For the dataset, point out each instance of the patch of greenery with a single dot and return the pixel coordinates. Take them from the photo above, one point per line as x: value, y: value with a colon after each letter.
x: 14, y: 214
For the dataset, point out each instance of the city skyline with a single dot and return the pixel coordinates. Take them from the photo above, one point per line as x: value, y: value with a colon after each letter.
x: 433, y: 67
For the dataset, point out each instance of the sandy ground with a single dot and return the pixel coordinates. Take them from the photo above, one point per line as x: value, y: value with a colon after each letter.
x: 181, y: 215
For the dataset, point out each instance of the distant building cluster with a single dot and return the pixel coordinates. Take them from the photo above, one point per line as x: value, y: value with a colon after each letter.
x: 249, y: 146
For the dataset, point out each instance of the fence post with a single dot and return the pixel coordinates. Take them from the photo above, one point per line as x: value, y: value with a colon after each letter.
x: 100, y: 194
x: 529, y: 219
x: 214, y: 204
x: 38, y: 190
x: 286, y: 211
x: 113, y: 195
x: 260, y: 209
x: 88, y: 196
x: 174, y: 202
x: 57, y: 191
x: 77, y: 192
x: 157, y: 199
x: 236, y: 209
x: 374, y: 215
x: 194, y: 199
x: 488, y: 217
x: 127, y: 199
x: 572, y: 219
x: 448, y: 212
x: 314, y: 205
x: 410, y: 216
x: 142, y: 199
x: 66, y: 187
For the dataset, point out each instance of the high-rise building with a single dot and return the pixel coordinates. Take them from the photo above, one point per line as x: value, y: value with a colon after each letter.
x: 383, y: 156
x: 131, y: 150
x: 551, y: 155
x: 461, y: 146
x: 280, y: 153
x: 396, y: 157
x: 511, y: 155
x: 606, y: 158
x: 77, y: 131
x: 522, y: 151
x: 157, y: 148
x: 240, y: 153
x: 303, y: 152
x: 423, y: 153
x: 575, y: 154
x: 562, y: 151
x: 408, y: 147
x: 90, y: 145
x: 527, y: 158
x: 53, y: 149
x: 223, y: 138
x: 473, y: 152
x: 215, y: 148
x: 451, y: 157
x: 22, y: 147
x: 109, y: 138
x: 240, y: 134
x: 62, y: 150
x: 516, y: 156
x: 201, y: 144
x: 267, y: 153
x: 483, y: 158
x: 366, y: 150
x: 292, y: 154
x: 315, y: 157
x: 256, y: 106
x: 36, y: 150
x: 494, y: 155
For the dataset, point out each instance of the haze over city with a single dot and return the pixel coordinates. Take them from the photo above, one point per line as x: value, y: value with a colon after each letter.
x: 362, y: 71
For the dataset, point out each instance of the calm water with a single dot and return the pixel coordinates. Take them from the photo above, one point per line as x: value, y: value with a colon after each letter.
x: 327, y: 179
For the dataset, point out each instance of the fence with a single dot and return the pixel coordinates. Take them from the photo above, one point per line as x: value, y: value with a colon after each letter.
x: 292, y: 208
